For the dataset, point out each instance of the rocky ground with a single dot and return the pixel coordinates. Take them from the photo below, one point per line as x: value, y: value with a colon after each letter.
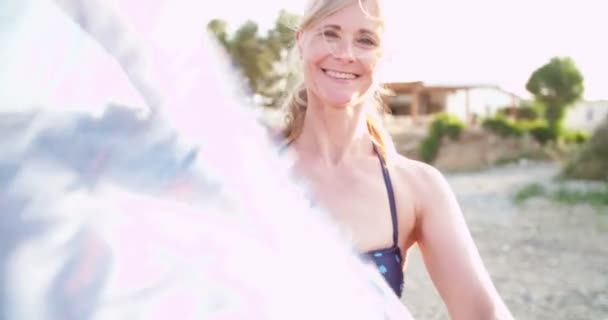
x: 548, y: 260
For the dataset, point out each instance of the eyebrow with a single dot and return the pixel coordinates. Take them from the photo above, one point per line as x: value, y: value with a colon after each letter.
x: 337, y: 27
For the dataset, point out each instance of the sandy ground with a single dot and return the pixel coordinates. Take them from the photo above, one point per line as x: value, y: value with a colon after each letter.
x: 548, y: 260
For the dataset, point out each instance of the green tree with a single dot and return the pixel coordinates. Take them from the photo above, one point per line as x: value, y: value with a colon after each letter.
x: 262, y: 59
x: 280, y: 39
x: 218, y: 28
x: 556, y: 85
x: 251, y: 55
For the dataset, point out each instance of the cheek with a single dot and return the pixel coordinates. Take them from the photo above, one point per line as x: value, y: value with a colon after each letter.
x: 370, y: 66
x: 312, y: 66
x: 312, y: 58
x: 310, y: 73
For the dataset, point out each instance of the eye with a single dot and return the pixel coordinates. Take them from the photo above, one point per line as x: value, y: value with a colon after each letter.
x: 367, y: 42
x: 331, y: 34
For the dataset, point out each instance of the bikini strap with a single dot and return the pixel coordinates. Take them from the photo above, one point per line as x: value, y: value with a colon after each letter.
x: 391, y: 196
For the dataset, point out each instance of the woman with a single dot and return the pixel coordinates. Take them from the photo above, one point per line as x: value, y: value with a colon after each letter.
x: 385, y: 201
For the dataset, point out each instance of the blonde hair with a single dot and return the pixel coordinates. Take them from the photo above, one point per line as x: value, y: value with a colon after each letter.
x: 295, y: 104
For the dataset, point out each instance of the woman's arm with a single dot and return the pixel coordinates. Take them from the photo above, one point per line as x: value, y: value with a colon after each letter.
x: 449, y: 253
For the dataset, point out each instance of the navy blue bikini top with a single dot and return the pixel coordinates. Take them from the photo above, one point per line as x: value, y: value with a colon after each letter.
x: 388, y: 260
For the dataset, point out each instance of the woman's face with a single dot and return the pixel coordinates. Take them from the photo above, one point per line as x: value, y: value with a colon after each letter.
x: 340, y: 54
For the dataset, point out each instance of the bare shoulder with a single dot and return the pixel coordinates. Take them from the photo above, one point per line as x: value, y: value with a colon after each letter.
x: 428, y: 185
x: 419, y: 174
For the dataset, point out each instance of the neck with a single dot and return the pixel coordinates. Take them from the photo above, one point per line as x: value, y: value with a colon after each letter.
x: 332, y: 134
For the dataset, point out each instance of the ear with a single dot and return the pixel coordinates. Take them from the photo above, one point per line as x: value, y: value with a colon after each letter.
x: 299, y: 42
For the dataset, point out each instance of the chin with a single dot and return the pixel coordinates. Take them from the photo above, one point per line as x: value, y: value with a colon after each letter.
x: 341, y: 102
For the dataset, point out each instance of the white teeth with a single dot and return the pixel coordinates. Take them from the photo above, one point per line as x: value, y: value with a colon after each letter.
x: 340, y: 75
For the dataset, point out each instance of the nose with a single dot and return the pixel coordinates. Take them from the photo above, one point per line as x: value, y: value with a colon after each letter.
x: 345, y: 51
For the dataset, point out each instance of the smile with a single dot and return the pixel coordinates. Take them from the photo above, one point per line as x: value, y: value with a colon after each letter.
x: 340, y: 75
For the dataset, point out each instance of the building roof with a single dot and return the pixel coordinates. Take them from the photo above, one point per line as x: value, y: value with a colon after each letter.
x: 420, y: 86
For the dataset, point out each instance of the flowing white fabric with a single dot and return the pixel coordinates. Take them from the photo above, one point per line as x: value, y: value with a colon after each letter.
x: 178, y: 208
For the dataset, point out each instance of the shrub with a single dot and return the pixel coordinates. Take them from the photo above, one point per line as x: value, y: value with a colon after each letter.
x: 502, y: 127
x: 591, y: 161
x: 542, y: 133
x: 538, y: 129
x: 578, y: 137
x: 429, y: 148
x: 529, y: 191
x: 597, y: 197
x: 443, y: 125
x: 525, y: 112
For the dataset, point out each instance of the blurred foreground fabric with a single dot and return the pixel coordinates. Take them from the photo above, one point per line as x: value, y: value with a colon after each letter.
x: 179, y: 207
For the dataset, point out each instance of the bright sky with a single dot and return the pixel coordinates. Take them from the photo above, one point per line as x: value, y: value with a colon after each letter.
x: 436, y: 41
x: 476, y: 41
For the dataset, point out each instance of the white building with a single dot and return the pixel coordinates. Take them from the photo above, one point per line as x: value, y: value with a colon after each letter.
x: 586, y: 115
x: 464, y: 101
